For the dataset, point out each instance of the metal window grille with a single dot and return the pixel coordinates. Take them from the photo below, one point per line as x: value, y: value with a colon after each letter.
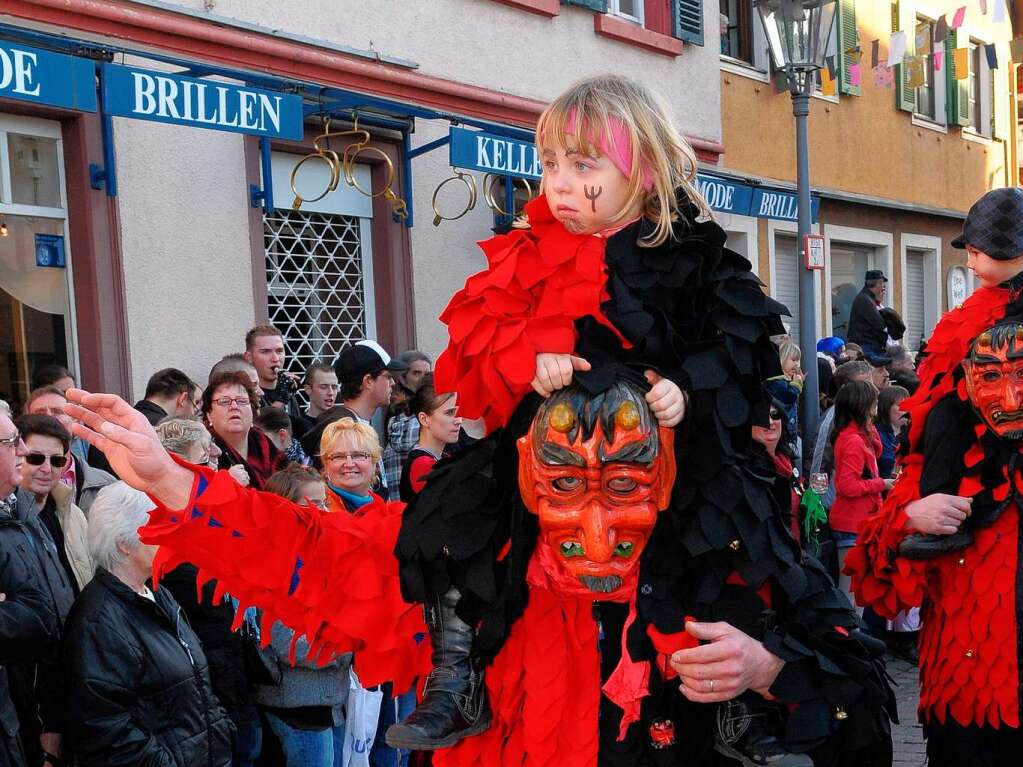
x: 315, y: 283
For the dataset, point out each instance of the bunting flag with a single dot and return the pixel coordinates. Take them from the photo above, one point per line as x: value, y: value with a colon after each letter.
x: 992, y: 56
x: 962, y: 63
x: 827, y: 84
x: 999, y: 16
x: 896, y: 48
x: 922, y: 38
x: 854, y: 75
x: 915, y: 72
x: 830, y: 61
x: 1016, y: 49
x: 941, y: 29
x: 937, y: 59
x: 883, y: 77
x: 957, y: 20
x: 854, y: 54
x: 983, y: 7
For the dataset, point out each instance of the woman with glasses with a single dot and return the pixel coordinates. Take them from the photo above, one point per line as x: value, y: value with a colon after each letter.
x: 228, y: 407
x: 48, y: 445
x: 138, y: 684
x: 774, y: 438
x: 350, y: 451
x: 212, y: 618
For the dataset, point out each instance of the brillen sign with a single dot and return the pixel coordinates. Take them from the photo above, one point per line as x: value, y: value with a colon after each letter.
x: 169, y: 98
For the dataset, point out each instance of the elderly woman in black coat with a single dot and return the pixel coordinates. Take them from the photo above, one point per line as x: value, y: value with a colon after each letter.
x: 138, y: 684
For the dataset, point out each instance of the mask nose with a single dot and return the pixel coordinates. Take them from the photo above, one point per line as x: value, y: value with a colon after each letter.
x: 1010, y: 395
x: 598, y: 536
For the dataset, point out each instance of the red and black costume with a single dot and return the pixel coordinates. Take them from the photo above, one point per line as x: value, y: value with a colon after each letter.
x: 971, y: 592
x: 693, y: 311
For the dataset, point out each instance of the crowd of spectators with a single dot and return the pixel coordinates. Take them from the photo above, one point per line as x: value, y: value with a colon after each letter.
x: 100, y: 667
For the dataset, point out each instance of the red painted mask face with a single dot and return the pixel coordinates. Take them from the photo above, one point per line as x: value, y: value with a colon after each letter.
x: 994, y: 379
x: 596, y: 487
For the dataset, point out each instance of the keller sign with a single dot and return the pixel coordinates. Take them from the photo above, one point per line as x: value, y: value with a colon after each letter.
x: 45, y: 77
x: 490, y: 153
x: 170, y: 98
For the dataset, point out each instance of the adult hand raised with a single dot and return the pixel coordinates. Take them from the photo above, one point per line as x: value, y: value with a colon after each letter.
x: 729, y: 664
x: 131, y: 446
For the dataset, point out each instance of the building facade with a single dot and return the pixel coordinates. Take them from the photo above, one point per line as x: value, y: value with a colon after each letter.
x: 153, y: 152
x: 893, y: 168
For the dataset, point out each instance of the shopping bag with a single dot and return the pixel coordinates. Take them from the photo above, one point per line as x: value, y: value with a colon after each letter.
x: 361, y: 714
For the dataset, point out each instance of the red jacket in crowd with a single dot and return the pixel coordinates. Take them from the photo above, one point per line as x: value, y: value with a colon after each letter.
x: 858, y: 486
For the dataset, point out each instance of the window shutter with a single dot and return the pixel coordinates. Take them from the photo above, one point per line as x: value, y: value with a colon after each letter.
x: 905, y: 97
x: 687, y: 20
x: 957, y: 92
x: 600, y: 6
x: 847, y: 38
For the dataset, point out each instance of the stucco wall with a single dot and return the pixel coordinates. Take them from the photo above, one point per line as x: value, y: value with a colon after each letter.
x: 201, y: 173
x: 183, y: 209
x: 864, y: 144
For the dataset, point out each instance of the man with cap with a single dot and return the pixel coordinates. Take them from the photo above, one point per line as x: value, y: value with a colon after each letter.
x: 866, y: 325
x: 364, y: 373
x: 948, y: 535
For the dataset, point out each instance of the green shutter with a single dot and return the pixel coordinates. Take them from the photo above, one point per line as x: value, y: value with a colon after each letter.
x: 847, y: 38
x: 957, y: 92
x: 905, y: 97
x: 687, y: 20
x: 600, y: 6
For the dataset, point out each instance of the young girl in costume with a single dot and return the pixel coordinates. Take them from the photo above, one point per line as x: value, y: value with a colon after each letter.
x: 615, y: 263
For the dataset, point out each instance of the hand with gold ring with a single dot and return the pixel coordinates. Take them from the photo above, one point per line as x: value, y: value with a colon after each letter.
x: 728, y: 663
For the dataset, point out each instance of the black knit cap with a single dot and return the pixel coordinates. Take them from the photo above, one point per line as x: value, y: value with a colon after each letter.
x: 994, y: 225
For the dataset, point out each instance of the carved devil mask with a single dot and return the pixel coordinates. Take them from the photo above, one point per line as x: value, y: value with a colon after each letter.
x: 994, y: 379
x: 596, y: 470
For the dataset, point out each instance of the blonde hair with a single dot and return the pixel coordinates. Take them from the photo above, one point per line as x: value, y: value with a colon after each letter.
x: 177, y: 435
x: 593, y: 105
x: 362, y: 434
x: 789, y: 351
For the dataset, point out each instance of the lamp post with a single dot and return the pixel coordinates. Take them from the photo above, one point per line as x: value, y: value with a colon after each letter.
x: 798, y: 33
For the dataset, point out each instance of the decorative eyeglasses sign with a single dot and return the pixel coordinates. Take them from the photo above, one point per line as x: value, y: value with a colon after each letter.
x: 45, y: 77
x: 145, y: 94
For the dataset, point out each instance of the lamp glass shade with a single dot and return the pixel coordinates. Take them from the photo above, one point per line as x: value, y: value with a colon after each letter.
x: 798, y: 31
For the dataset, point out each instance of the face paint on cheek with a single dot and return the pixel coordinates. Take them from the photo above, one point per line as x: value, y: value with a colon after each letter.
x: 592, y: 193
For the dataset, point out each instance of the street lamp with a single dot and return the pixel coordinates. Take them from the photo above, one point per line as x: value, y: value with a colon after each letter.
x: 798, y: 35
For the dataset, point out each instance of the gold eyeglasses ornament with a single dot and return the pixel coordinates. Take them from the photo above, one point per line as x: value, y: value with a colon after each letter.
x: 470, y: 203
x: 345, y: 166
x: 491, y: 198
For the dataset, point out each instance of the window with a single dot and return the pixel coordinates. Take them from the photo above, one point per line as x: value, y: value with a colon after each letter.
x: 926, y: 96
x: 37, y: 308
x: 974, y: 89
x: 736, y: 30
x: 626, y: 9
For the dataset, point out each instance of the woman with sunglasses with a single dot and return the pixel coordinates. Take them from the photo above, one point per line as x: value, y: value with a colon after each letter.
x: 212, y: 619
x: 48, y: 444
x: 775, y: 439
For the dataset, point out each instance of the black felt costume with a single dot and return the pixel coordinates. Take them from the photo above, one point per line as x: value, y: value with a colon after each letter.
x: 693, y: 311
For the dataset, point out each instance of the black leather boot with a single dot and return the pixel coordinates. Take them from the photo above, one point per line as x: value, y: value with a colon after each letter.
x: 454, y: 703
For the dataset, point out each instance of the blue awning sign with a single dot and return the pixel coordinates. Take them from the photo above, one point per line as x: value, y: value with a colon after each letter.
x: 728, y: 196
x: 490, y: 153
x: 170, y: 98
x: 45, y: 77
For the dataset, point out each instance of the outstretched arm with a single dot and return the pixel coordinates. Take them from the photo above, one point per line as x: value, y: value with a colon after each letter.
x: 331, y: 577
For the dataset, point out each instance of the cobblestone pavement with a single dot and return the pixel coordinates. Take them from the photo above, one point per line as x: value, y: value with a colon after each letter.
x: 907, y: 736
